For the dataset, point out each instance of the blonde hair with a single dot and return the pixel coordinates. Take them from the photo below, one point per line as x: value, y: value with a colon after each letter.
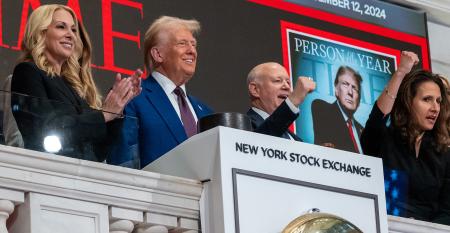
x: 77, y: 69
x: 162, y: 25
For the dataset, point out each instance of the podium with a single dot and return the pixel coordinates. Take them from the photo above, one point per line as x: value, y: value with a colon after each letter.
x: 259, y: 183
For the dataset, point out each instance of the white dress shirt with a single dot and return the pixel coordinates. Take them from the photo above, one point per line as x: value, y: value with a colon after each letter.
x: 168, y: 86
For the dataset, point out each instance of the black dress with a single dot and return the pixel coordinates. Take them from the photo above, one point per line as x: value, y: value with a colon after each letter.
x: 427, y: 176
x: 50, y: 106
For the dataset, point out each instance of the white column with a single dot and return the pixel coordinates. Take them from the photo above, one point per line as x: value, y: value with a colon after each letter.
x: 438, y: 39
x: 121, y: 226
x: 8, y: 199
x: 160, y: 223
x: 183, y: 231
x: 6, y: 208
x: 122, y: 220
x: 157, y: 223
x: 186, y: 226
x: 151, y: 229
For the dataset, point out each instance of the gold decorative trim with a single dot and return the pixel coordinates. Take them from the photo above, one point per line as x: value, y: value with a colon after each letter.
x: 320, y: 222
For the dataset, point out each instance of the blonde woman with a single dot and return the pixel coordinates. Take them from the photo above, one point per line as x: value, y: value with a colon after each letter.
x: 60, y: 98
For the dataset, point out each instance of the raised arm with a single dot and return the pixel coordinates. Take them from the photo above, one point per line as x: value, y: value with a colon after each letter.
x: 387, y: 98
x: 303, y: 87
x: 283, y: 116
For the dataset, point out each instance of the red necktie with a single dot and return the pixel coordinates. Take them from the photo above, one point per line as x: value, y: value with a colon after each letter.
x: 352, y: 136
x: 190, y: 127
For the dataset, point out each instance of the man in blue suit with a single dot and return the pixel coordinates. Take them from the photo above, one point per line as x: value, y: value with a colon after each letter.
x: 162, y: 117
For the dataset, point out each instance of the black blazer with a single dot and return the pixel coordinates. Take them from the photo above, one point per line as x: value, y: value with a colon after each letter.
x: 276, y: 124
x: 426, y: 178
x: 49, y: 105
x: 330, y: 126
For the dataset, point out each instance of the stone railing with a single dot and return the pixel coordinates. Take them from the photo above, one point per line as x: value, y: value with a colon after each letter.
x: 42, y: 192
x: 405, y: 225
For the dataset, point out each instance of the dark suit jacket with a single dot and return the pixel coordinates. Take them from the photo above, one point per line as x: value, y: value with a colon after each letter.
x: 276, y: 124
x: 330, y: 126
x: 152, y: 126
x: 51, y: 106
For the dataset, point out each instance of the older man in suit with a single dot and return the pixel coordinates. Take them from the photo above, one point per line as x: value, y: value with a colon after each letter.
x: 273, y: 106
x: 165, y: 115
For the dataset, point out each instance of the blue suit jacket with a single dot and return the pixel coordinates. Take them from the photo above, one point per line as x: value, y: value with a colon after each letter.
x: 151, y: 127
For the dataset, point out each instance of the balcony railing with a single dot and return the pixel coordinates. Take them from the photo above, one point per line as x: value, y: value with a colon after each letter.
x: 45, y: 192
x: 42, y: 192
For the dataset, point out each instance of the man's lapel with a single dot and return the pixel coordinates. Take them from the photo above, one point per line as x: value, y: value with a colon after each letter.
x: 256, y: 118
x: 198, y: 108
x: 158, y: 98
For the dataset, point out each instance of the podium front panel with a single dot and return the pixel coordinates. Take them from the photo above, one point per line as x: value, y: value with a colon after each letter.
x: 260, y: 183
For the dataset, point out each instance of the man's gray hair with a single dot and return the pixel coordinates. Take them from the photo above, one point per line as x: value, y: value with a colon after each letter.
x: 164, y: 24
